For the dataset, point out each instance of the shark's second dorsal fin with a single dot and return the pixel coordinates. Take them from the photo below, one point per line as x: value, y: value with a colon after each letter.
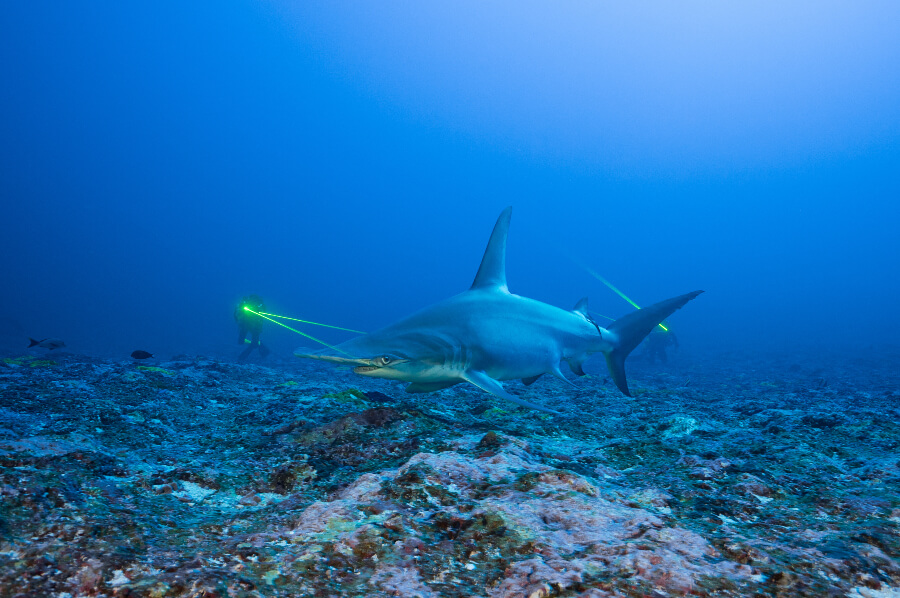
x: 492, y: 272
x: 581, y: 307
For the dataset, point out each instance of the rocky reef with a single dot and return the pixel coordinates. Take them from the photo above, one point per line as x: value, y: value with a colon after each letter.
x: 203, y: 478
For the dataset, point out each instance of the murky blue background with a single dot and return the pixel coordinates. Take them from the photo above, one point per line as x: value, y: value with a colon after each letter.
x: 347, y: 162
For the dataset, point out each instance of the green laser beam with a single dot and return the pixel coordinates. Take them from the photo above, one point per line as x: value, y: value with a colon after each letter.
x: 593, y: 313
x: 309, y: 336
x: 262, y: 313
x: 617, y: 291
x: 612, y: 287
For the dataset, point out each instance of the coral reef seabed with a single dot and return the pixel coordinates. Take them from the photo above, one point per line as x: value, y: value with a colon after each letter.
x: 731, y: 476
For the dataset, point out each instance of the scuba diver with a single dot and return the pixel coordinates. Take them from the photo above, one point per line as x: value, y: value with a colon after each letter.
x: 250, y: 324
x: 657, y: 341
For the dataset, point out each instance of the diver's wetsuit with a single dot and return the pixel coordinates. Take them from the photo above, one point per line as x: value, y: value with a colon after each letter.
x: 250, y: 324
x: 657, y: 341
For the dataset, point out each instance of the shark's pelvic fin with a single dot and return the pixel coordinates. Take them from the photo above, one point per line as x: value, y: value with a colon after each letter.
x: 530, y: 380
x: 631, y: 330
x: 492, y: 272
x: 430, y: 386
x: 576, y: 368
x: 488, y: 384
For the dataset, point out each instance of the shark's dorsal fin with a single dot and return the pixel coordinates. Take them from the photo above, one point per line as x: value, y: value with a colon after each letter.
x: 581, y: 307
x: 492, y: 272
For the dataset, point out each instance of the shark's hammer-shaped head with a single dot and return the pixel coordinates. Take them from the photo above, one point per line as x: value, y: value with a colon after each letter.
x: 387, y: 365
x: 384, y: 366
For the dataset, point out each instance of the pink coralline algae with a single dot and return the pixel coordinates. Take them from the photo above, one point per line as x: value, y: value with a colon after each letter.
x: 206, y: 479
x: 557, y: 530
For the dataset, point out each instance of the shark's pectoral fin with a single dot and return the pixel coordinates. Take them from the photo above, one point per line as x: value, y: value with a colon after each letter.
x: 430, y: 386
x: 488, y: 384
x: 555, y: 371
x: 530, y: 380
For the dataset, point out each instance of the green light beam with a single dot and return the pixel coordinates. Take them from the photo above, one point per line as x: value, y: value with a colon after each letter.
x: 617, y: 291
x: 612, y: 288
x: 262, y: 313
x: 309, y: 336
x: 593, y: 313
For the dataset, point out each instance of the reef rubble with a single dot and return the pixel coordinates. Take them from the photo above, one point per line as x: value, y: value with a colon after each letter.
x: 204, y: 478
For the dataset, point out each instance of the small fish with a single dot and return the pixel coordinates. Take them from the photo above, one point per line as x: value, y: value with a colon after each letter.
x: 47, y: 343
x: 141, y: 355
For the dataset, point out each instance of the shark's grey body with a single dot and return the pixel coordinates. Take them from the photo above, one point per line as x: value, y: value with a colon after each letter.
x: 486, y: 335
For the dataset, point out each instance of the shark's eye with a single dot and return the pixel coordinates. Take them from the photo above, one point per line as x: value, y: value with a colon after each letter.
x: 385, y: 360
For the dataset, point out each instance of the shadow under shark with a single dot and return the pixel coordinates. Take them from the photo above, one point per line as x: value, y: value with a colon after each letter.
x: 486, y: 335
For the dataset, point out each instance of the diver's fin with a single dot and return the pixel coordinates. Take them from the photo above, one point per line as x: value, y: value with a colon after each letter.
x: 581, y: 308
x: 430, y: 386
x: 492, y: 272
x: 488, y: 384
x: 530, y: 380
x: 631, y: 329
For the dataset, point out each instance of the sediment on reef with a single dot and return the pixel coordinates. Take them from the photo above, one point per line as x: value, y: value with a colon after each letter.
x: 195, y: 477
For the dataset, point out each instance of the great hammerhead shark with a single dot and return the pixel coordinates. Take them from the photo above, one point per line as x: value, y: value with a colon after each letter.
x: 486, y: 335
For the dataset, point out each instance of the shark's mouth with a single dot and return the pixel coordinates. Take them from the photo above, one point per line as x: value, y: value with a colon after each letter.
x: 363, y: 365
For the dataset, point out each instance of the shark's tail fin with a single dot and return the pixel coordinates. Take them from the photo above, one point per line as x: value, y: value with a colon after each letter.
x: 631, y: 330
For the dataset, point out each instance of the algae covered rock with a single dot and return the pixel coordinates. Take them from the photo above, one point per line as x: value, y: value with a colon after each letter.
x: 204, y: 478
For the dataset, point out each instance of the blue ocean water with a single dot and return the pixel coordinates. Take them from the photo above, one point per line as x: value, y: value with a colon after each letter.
x: 346, y: 162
